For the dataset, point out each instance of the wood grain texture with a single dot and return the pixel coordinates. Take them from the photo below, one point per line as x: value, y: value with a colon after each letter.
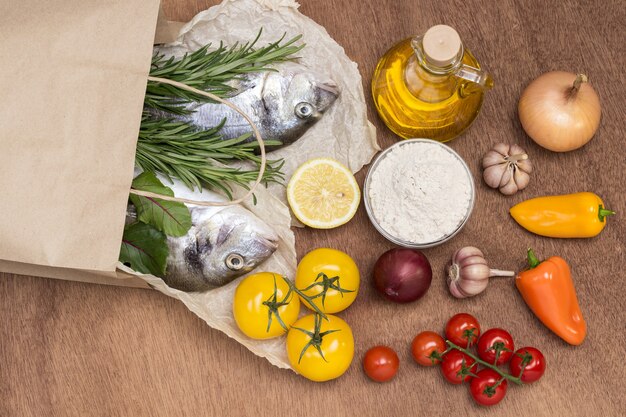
x: 69, y: 348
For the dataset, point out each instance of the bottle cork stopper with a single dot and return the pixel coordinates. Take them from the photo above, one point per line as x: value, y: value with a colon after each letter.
x: 441, y: 45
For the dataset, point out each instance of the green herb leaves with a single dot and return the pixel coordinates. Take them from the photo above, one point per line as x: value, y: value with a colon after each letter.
x: 177, y: 149
x: 211, y: 71
x: 144, y: 244
x: 170, y: 217
x: 144, y: 249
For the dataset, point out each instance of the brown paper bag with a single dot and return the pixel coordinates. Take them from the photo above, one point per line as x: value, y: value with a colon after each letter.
x: 72, y: 83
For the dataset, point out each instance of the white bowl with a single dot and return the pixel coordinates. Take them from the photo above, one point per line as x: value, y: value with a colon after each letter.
x: 395, y: 239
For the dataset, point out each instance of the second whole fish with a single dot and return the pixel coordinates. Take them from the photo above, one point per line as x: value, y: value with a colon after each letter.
x: 283, y: 104
x: 222, y: 244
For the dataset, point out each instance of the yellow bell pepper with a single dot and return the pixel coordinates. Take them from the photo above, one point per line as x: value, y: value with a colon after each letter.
x: 570, y: 215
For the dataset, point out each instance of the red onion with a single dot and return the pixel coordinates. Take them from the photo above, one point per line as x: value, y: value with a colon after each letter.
x: 402, y: 275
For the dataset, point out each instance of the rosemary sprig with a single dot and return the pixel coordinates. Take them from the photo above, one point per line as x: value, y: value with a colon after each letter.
x: 211, y: 71
x: 177, y: 149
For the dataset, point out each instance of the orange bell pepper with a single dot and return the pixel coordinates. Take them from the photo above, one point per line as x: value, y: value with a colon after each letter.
x: 548, y: 290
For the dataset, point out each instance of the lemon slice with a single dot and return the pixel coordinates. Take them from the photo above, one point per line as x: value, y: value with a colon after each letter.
x: 323, y: 193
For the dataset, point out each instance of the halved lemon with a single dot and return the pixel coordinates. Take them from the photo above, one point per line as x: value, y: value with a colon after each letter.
x: 323, y: 193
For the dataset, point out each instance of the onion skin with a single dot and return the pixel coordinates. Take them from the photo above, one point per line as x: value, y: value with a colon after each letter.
x: 402, y: 275
x: 558, y: 116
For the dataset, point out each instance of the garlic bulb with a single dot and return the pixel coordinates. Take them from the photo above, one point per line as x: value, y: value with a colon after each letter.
x: 468, y: 273
x: 507, y: 168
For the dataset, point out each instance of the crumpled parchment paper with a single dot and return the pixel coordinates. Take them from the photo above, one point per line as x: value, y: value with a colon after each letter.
x: 344, y: 133
x: 215, y: 307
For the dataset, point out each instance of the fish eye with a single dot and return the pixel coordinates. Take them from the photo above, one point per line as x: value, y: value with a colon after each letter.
x: 304, y: 110
x: 234, y: 262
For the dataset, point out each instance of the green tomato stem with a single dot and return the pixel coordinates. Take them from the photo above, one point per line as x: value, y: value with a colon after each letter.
x: 504, y: 375
x: 499, y: 382
x: 307, y: 299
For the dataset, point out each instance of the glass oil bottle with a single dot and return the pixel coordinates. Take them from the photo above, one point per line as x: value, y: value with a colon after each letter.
x: 429, y: 86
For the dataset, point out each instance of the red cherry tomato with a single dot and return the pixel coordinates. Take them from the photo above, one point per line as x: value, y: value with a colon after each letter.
x: 381, y: 363
x: 463, y: 329
x: 495, y: 346
x: 452, y: 367
x: 534, y: 365
x: 486, y: 387
x: 427, y: 347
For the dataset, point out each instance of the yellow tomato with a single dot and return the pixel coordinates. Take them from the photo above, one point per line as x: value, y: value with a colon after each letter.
x: 264, y: 305
x: 330, y: 278
x: 320, y: 349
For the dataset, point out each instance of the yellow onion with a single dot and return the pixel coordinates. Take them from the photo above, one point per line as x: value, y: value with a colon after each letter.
x: 560, y: 111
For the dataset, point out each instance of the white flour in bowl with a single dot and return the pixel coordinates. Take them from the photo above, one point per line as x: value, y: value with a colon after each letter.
x: 420, y: 192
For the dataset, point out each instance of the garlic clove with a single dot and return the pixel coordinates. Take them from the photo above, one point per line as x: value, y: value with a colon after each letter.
x: 470, y: 288
x: 493, y: 175
x: 506, y: 176
x: 466, y: 252
x: 502, y: 148
x: 510, y: 187
x: 525, y: 166
x: 472, y: 260
x: 475, y: 272
x: 455, y: 290
x: 516, y: 150
x: 521, y: 179
x: 493, y: 158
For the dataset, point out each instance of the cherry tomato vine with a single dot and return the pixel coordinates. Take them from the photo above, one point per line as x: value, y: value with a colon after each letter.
x: 517, y: 380
x: 488, y: 384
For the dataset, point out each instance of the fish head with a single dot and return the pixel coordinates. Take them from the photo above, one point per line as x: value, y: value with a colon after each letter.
x: 232, y: 243
x: 309, y: 95
x: 297, y: 96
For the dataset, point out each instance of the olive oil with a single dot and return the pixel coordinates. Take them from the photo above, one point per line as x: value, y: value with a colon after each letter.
x: 419, y: 97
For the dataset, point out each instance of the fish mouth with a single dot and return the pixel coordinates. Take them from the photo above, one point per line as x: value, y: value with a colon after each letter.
x: 269, y: 242
x: 327, y: 92
x: 330, y: 87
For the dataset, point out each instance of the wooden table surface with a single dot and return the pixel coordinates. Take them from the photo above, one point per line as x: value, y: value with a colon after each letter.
x: 69, y: 348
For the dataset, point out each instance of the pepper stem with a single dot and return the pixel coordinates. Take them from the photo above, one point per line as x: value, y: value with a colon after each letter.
x: 533, y: 262
x: 602, y: 213
x: 580, y: 78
